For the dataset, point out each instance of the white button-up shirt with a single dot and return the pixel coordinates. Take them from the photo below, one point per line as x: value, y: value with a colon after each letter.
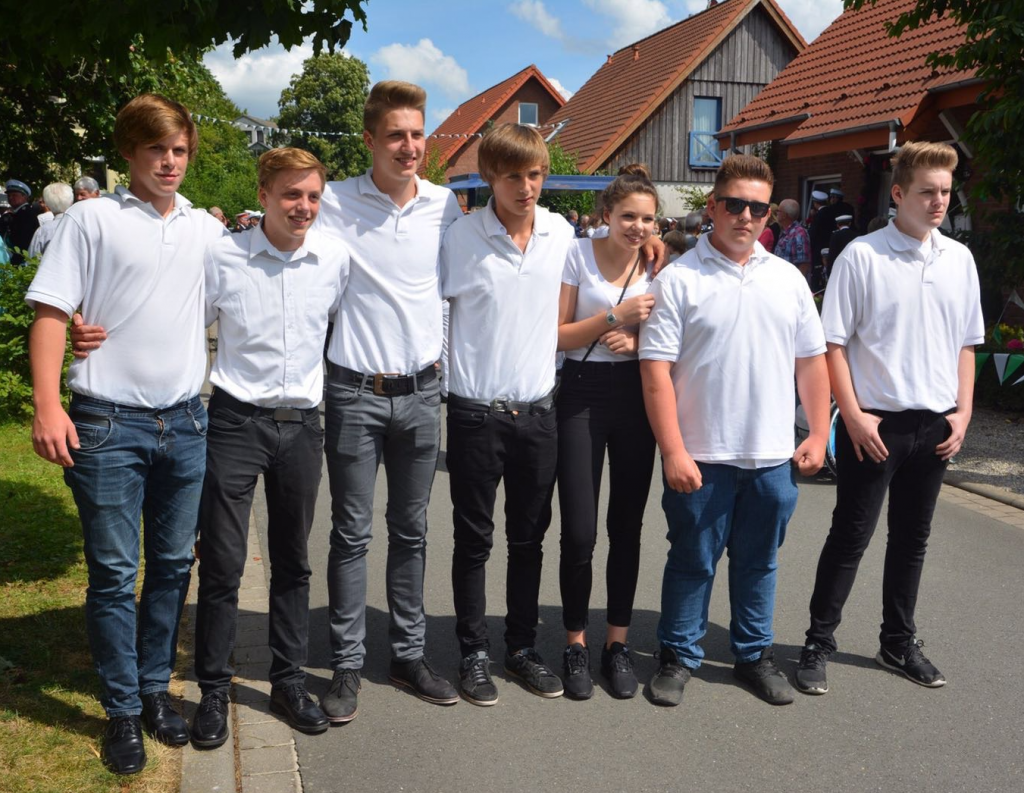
x: 503, y: 326
x: 733, y: 334
x: 390, y: 317
x: 140, y: 276
x: 272, y: 309
x: 904, y: 309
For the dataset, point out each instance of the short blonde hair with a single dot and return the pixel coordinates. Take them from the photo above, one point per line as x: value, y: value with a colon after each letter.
x: 288, y: 159
x: 388, y: 95
x: 912, y: 156
x: 152, y: 117
x: 510, y: 148
x: 743, y: 166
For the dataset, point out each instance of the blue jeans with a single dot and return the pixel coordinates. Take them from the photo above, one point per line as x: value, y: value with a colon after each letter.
x: 136, y: 463
x: 739, y: 510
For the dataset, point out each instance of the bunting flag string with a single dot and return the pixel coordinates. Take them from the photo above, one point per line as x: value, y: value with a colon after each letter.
x: 200, y: 118
x: 1006, y: 365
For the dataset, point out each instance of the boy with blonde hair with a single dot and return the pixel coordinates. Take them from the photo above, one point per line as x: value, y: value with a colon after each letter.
x: 133, y: 444
x: 902, y: 314
x: 501, y: 270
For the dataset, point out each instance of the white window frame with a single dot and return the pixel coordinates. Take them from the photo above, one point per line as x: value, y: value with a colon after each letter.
x: 536, y: 113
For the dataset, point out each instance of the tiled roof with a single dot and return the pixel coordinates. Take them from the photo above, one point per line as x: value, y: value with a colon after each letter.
x: 853, y: 77
x: 634, y: 81
x: 472, y: 114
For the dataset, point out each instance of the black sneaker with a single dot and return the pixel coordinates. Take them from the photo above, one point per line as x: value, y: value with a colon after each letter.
x: 339, y: 703
x: 210, y: 724
x: 765, y: 678
x: 298, y: 708
x: 810, y: 672
x: 666, y: 687
x: 425, y: 683
x: 911, y: 662
x: 528, y: 666
x: 475, y: 680
x: 617, y: 667
x: 123, y: 750
x: 576, y: 666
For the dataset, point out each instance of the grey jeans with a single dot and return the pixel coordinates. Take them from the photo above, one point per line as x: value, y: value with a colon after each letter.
x: 361, y: 427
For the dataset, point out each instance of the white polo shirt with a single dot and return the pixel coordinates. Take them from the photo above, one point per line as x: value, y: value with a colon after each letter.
x: 594, y: 294
x: 390, y: 317
x: 272, y: 308
x: 140, y: 276
x: 904, y: 309
x: 733, y: 335
x: 503, y: 323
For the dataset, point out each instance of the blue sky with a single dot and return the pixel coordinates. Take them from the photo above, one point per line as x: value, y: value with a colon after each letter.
x: 458, y: 48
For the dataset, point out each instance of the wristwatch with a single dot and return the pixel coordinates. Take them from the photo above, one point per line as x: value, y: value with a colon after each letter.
x: 610, y: 318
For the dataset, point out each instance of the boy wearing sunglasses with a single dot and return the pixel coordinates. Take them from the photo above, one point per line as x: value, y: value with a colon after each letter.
x: 731, y: 328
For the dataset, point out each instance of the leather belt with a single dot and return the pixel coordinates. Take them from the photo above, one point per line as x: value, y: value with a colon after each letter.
x: 281, y: 415
x: 389, y: 384
x: 504, y: 405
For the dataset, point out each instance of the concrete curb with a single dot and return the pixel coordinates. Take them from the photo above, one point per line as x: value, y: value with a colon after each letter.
x: 260, y: 755
x: 988, y: 491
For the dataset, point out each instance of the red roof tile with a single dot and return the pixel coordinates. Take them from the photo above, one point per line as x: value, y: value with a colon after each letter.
x: 635, y: 81
x: 454, y: 132
x: 852, y: 77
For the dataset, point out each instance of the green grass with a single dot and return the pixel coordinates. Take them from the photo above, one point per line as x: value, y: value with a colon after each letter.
x: 51, y: 721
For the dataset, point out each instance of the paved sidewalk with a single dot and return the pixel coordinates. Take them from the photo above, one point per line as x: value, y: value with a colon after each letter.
x: 261, y: 756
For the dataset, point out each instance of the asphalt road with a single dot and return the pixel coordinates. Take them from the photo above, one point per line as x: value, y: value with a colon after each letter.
x: 873, y: 731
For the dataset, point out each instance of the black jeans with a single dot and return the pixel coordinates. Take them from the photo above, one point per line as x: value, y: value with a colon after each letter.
x: 241, y: 446
x: 912, y: 474
x: 601, y: 406
x: 484, y: 447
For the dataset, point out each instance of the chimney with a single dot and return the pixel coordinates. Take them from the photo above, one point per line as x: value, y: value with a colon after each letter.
x: 609, y: 59
x: 636, y: 53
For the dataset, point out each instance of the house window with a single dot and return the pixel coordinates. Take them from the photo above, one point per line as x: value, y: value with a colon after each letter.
x: 528, y: 113
x: 707, y: 120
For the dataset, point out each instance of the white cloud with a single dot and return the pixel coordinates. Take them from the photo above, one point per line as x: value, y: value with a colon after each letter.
x: 631, y: 19
x: 440, y: 115
x: 534, y: 12
x: 255, y: 81
x: 565, y: 92
x: 423, y: 63
x: 812, y: 16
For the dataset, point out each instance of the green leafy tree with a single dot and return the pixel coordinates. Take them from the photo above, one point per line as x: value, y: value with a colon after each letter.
x: 435, y: 169
x: 328, y: 96
x: 565, y: 163
x: 63, y: 78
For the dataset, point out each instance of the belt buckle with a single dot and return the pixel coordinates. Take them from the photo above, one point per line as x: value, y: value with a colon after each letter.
x: 500, y: 404
x: 380, y: 381
x: 287, y: 415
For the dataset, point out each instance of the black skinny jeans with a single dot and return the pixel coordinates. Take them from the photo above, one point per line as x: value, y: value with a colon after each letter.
x: 912, y: 474
x: 239, y: 448
x: 601, y: 406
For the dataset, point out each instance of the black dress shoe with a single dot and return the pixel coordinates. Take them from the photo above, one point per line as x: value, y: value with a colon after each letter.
x: 210, y: 724
x: 297, y: 707
x: 425, y: 683
x: 123, y: 752
x: 162, y: 722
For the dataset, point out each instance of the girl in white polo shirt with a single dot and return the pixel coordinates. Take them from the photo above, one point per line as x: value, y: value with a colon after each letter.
x: 603, y: 300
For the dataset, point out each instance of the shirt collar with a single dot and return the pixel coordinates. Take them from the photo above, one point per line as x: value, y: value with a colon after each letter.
x: 366, y: 186
x: 126, y: 195
x: 258, y: 243
x: 495, y: 228
x: 708, y: 253
x: 900, y: 242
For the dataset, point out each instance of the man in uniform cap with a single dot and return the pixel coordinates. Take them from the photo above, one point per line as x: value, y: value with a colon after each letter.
x: 19, y: 225
x: 841, y: 237
x: 820, y: 229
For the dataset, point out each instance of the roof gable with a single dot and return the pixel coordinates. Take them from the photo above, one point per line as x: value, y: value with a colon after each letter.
x: 853, y: 78
x: 469, y: 118
x: 638, y: 78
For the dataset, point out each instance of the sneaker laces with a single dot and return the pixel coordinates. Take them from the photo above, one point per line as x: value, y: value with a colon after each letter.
x: 914, y: 655
x: 670, y: 666
x: 764, y: 667
x: 476, y: 670
x: 576, y: 661
x: 622, y: 661
x: 812, y: 657
x: 535, y: 663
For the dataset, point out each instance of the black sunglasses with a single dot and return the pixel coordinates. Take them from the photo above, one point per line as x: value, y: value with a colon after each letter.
x: 735, y: 206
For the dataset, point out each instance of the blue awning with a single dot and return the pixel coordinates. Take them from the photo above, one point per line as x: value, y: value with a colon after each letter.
x: 472, y: 181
